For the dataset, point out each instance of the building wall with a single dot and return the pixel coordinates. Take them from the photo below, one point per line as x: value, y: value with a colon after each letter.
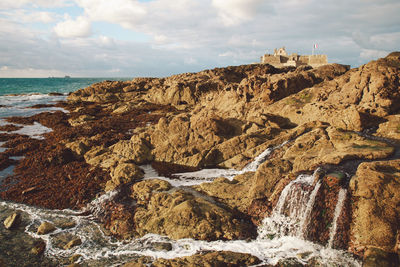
x: 280, y: 61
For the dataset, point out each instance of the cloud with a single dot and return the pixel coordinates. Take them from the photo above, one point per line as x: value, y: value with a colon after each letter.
x: 124, y: 12
x: 189, y: 35
x: 6, y: 4
x: 233, y: 12
x: 28, y: 16
x: 73, y: 28
x: 370, y: 54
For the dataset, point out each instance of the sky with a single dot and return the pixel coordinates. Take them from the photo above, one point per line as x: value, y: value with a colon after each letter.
x: 136, y: 38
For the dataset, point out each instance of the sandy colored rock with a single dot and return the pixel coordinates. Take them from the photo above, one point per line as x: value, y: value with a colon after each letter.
x: 332, y: 146
x: 73, y: 243
x: 122, y: 174
x: 267, y: 176
x: 136, y: 150
x: 45, y: 228
x: 12, y: 221
x: 391, y: 128
x: 354, y: 101
x: 375, y: 189
x: 180, y: 214
x: 222, y: 188
x: 143, y: 190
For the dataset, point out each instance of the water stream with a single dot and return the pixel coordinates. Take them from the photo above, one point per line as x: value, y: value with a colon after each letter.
x: 279, y: 237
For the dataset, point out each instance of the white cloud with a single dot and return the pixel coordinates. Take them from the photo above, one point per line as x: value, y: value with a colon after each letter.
x: 190, y: 35
x: 73, y: 28
x: 106, y: 41
x: 27, y: 16
x: 370, y: 54
x: 233, y: 12
x: 124, y: 12
x: 5, y: 4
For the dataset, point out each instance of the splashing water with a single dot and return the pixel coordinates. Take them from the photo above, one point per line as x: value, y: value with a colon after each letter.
x: 292, y: 211
x: 338, y: 210
x: 209, y: 175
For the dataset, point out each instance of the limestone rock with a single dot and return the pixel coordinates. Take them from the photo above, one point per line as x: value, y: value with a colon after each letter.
x: 39, y: 248
x: 73, y: 243
x: 45, y: 228
x: 390, y: 128
x: 122, y: 174
x: 376, y: 257
x: 332, y: 146
x: 180, y: 214
x: 267, y: 176
x: 355, y: 100
x: 136, y: 150
x: 12, y: 221
x: 222, y: 188
x: 375, y: 190
x: 143, y: 190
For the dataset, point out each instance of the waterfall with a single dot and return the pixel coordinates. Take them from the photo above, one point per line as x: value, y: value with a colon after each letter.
x: 338, y: 210
x: 253, y: 166
x: 291, y: 213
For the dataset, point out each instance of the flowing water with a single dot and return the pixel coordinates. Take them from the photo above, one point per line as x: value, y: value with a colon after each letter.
x: 291, y: 214
x: 338, y: 209
x: 279, y: 237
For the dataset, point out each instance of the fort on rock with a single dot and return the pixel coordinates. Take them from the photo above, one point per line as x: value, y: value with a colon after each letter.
x: 280, y: 59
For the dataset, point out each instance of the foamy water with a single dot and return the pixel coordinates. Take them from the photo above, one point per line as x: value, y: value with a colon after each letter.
x: 98, y: 249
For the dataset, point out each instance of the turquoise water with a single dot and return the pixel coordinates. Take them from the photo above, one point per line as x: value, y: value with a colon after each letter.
x: 47, y: 85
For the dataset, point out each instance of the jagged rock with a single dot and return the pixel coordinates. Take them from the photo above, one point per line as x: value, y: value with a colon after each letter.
x: 354, y: 101
x: 80, y: 146
x: 159, y: 246
x: 374, y: 257
x: 143, y: 190
x: 390, y: 128
x: 267, y: 176
x: 39, y: 248
x: 222, y: 188
x: 329, y: 145
x: 376, y: 197
x: 122, y: 174
x: 12, y: 221
x: 180, y: 214
x: 45, y: 228
x: 136, y: 150
x: 73, y: 243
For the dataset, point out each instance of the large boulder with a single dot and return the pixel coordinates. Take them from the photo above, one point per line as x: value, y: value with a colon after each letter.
x: 376, y: 195
x: 180, y: 214
x: 329, y: 145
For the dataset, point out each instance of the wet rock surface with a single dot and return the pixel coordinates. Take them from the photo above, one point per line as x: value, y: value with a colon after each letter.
x: 212, y: 258
x: 223, y: 118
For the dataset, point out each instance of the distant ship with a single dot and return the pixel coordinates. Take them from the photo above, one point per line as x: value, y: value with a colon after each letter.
x: 67, y: 77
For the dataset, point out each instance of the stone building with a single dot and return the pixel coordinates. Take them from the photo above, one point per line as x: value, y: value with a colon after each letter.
x: 281, y: 59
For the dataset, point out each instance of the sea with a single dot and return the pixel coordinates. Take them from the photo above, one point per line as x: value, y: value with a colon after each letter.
x: 99, y: 249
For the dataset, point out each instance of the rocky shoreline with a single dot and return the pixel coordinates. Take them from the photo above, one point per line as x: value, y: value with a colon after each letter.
x: 224, y: 118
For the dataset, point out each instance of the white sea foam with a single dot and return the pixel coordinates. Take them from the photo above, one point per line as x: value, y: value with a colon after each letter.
x: 35, y: 131
x: 19, y: 105
x: 209, y: 175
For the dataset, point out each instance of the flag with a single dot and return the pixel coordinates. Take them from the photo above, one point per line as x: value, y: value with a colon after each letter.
x: 315, y: 46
